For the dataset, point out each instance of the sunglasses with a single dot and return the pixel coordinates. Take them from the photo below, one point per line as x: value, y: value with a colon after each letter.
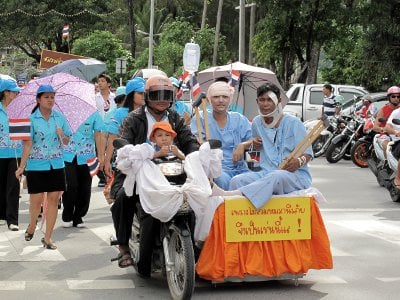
x: 395, y: 96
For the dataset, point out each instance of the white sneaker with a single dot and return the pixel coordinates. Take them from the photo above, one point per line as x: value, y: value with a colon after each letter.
x: 3, y: 222
x: 13, y: 227
x: 67, y: 224
x: 81, y: 225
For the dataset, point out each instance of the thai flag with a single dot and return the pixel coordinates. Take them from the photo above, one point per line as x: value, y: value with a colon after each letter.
x: 183, y: 80
x: 196, y: 89
x: 235, y: 75
x: 20, y: 129
x: 94, y: 165
x: 65, y: 32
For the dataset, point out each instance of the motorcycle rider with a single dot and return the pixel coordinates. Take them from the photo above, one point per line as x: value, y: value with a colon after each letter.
x: 136, y: 129
x: 385, y: 112
x: 367, y: 108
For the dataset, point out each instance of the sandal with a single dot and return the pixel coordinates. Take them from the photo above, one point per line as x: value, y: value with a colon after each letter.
x: 28, y: 236
x: 49, y: 245
x: 125, y: 260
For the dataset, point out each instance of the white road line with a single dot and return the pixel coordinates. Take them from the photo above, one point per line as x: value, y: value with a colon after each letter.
x: 336, y: 252
x: 104, y: 232
x: 100, y: 284
x: 12, y: 285
x: 377, y: 229
x: 388, y: 279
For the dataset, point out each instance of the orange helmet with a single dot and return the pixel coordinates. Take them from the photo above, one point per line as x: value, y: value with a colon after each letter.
x: 159, y: 88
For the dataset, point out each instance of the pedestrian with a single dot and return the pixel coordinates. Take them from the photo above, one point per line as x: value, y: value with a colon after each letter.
x: 133, y: 100
x: 231, y: 128
x: 104, y: 102
x: 10, y: 154
x: 276, y: 135
x: 42, y: 158
x: 81, y: 148
x: 330, y: 106
x: 136, y: 129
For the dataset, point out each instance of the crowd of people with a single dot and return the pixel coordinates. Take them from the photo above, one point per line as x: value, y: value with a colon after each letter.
x: 54, y: 160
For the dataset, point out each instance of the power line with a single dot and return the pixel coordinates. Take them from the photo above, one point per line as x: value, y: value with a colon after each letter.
x: 53, y: 11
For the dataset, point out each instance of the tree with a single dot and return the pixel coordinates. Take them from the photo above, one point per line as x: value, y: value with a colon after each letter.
x: 104, y: 46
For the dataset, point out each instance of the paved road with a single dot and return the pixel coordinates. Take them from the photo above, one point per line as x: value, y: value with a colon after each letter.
x: 362, y: 222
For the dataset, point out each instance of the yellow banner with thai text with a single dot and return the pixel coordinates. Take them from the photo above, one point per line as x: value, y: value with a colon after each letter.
x: 281, y: 218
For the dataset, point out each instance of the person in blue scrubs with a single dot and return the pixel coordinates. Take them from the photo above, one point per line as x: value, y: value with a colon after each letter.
x: 42, y: 157
x: 82, y: 146
x: 231, y: 128
x: 133, y: 100
x: 10, y: 154
x: 276, y: 135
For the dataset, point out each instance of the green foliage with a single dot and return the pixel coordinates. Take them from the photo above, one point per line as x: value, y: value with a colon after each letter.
x: 104, y: 46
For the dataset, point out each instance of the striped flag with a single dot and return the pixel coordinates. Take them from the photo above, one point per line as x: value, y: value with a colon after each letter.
x: 65, y: 32
x: 183, y: 80
x: 20, y: 129
x: 94, y: 165
x: 196, y: 89
x: 235, y: 75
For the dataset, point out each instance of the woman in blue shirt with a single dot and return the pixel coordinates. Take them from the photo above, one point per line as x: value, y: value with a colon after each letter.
x: 133, y: 100
x: 10, y: 153
x: 43, y: 158
x: 81, y: 147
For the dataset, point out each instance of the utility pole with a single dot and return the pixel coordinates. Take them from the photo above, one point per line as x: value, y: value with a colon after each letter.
x: 251, y: 34
x: 150, y: 63
x: 242, y: 24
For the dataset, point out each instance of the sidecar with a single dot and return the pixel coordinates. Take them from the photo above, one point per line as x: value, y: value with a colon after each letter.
x: 278, y: 256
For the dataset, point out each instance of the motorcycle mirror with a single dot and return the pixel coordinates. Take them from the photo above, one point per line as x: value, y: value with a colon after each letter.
x: 119, y: 143
x: 215, y: 144
x: 396, y: 121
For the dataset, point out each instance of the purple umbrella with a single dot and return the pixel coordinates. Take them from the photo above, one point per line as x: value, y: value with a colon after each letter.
x: 75, y: 98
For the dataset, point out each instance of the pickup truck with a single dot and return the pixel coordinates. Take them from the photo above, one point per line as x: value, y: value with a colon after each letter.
x: 305, y: 101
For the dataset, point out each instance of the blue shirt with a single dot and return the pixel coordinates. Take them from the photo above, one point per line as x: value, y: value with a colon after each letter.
x: 181, y: 108
x: 116, y: 120
x: 237, y: 130
x: 46, y: 151
x: 8, y: 148
x: 82, y: 144
x: 278, y: 143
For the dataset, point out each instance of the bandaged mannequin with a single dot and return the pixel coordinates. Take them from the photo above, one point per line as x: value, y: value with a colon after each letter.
x: 275, y: 135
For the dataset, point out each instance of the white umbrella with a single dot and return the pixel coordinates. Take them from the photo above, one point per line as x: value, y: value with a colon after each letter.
x: 250, y: 79
x: 5, y: 77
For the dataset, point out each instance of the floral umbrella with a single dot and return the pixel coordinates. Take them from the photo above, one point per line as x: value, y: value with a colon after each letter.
x: 75, y: 98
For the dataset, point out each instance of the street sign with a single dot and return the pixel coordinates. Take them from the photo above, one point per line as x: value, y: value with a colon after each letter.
x: 120, y: 66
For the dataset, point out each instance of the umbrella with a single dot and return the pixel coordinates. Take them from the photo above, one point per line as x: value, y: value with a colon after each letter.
x: 6, y: 77
x: 75, y: 98
x: 250, y: 79
x: 84, y: 68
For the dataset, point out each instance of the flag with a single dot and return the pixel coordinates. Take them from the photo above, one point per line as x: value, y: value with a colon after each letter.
x: 183, y: 80
x: 235, y: 75
x: 65, y: 32
x: 20, y: 129
x: 94, y: 165
x: 196, y: 89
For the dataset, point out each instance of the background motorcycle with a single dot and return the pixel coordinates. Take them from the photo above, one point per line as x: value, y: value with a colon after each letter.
x: 362, y: 148
x: 341, y: 145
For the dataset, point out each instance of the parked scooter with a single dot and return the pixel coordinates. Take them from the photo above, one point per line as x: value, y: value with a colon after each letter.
x: 392, y: 163
x: 341, y: 145
x: 322, y: 142
x: 362, y: 149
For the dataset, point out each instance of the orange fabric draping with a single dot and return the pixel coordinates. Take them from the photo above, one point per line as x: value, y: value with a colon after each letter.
x: 220, y: 259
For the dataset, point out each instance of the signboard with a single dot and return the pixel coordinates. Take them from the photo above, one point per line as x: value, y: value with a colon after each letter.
x: 120, y: 66
x: 51, y: 58
x: 282, y: 218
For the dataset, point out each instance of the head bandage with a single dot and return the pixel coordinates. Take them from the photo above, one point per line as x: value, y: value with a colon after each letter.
x: 218, y: 88
x: 276, y: 114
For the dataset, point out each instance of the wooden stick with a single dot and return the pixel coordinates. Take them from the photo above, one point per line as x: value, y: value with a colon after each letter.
x: 205, y: 116
x: 198, y: 125
x: 305, y: 143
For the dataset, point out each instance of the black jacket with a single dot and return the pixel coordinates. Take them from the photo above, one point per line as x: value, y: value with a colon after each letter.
x: 134, y: 130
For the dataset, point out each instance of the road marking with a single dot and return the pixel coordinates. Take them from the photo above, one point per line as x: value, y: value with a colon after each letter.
x: 377, y: 229
x: 104, y: 232
x: 337, y: 252
x: 100, y: 284
x: 388, y: 279
x: 12, y: 285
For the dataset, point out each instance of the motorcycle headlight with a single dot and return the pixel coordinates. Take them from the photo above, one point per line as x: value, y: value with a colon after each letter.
x: 351, y: 125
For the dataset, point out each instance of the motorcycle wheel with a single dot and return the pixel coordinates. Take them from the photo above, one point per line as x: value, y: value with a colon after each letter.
x: 333, y: 153
x: 381, y: 177
x: 394, y: 193
x: 360, y: 154
x: 181, y: 278
x: 317, y: 146
x: 134, y: 241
